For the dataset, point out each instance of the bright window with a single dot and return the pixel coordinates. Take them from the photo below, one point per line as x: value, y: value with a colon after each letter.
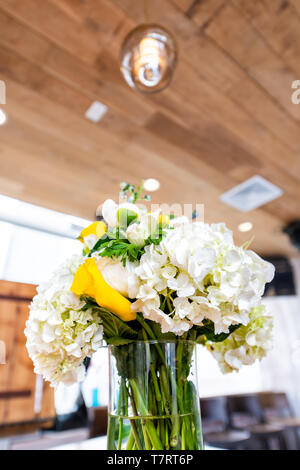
x: 35, y: 240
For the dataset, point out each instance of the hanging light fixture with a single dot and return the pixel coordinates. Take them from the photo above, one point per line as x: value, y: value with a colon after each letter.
x: 148, y: 57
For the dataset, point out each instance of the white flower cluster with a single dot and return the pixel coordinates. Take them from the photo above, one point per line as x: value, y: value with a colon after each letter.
x: 246, y: 344
x: 59, y: 334
x: 207, y: 275
x: 192, y: 276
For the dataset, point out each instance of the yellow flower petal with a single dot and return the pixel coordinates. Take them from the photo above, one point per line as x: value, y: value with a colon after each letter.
x: 164, y: 219
x: 89, y: 281
x: 83, y: 282
x: 101, y: 229
x: 96, y: 228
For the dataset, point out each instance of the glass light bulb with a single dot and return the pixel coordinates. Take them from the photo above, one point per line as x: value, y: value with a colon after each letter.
x: 148, y: 64
x: 148, y: 58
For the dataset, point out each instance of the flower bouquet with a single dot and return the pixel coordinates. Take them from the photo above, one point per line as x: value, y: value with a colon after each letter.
x: 152, y: 286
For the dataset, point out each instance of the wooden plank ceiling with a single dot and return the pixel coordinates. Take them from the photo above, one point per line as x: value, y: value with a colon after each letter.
x: 227, y: 116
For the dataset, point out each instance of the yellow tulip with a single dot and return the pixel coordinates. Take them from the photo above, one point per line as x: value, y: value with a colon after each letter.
x: 164, y: 219
x: 89, y: 281
x: 96, y: 228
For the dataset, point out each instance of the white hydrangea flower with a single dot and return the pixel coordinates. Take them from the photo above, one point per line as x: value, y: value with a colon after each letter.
x: 194, y: 277
x: 207, y: 275
x: 247, y: 344
x: 59, y: 334
x: 183, y: 308
x: 168, y: 324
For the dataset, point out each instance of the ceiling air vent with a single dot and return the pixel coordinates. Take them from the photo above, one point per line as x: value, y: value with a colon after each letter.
x: 96, y: 111
x: 251, y: 194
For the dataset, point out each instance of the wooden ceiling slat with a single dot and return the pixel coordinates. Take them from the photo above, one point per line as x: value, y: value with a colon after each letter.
x: 43, y: 185
x: 265, y: 110
x: 203, y: 144
x: 34, y: 77
x: 185, y: 5
x: 165, y: 13
x: 56, y: 88
x: 50, y: 21
x: 63, y: 126
x: 227, y: 76
x: 296, y: 6
x: 31, y: 75
x: 48, y: 167
x: 242, y: 42
x: 211, y: 96
x: 218, y: 107
x: 60, y: 64
x: 100, y: 16
x: 278, y: 24
x: 90, y: 145
x: 203, y: 12
x: 60, y: 123
x: 55, y: 127
x: 84, y: 165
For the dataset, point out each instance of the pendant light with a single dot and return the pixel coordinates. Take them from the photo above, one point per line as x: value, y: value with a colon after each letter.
x: 148, y: 58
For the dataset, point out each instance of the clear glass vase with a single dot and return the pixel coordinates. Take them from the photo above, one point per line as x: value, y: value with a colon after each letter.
x: 154, y: 402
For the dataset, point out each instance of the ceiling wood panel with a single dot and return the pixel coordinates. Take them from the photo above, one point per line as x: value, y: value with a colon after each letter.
x: 296, y: 5
x: 226, y: 116
x: 200, y: 12
x: 184, y: 5
x: 59, y: 27
x: 243, y: 42
x: 210, y: 93
x: 279, y: 24
x: 203, y: 144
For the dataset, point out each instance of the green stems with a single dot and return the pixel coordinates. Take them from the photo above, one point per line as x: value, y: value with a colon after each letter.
x: 157, y: 404
x: 148, y: 424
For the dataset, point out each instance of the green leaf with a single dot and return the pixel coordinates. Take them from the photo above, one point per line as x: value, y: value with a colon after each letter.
x: 118, y: 248
x: 126, y: 217
x: 89, y: 302
x: 208, y: 331
x: 113, y: 326
x: 156, y: 328
x: 106, y: 238
x: 118, y: 341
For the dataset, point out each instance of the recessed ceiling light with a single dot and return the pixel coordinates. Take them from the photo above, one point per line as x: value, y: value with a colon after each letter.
x: 3, y: 117
x: 151, y: 184
x: 245, y: 226
x: 96, y: 111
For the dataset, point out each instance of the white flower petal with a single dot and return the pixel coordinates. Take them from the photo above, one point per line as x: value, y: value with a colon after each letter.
x: 109, y: 213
